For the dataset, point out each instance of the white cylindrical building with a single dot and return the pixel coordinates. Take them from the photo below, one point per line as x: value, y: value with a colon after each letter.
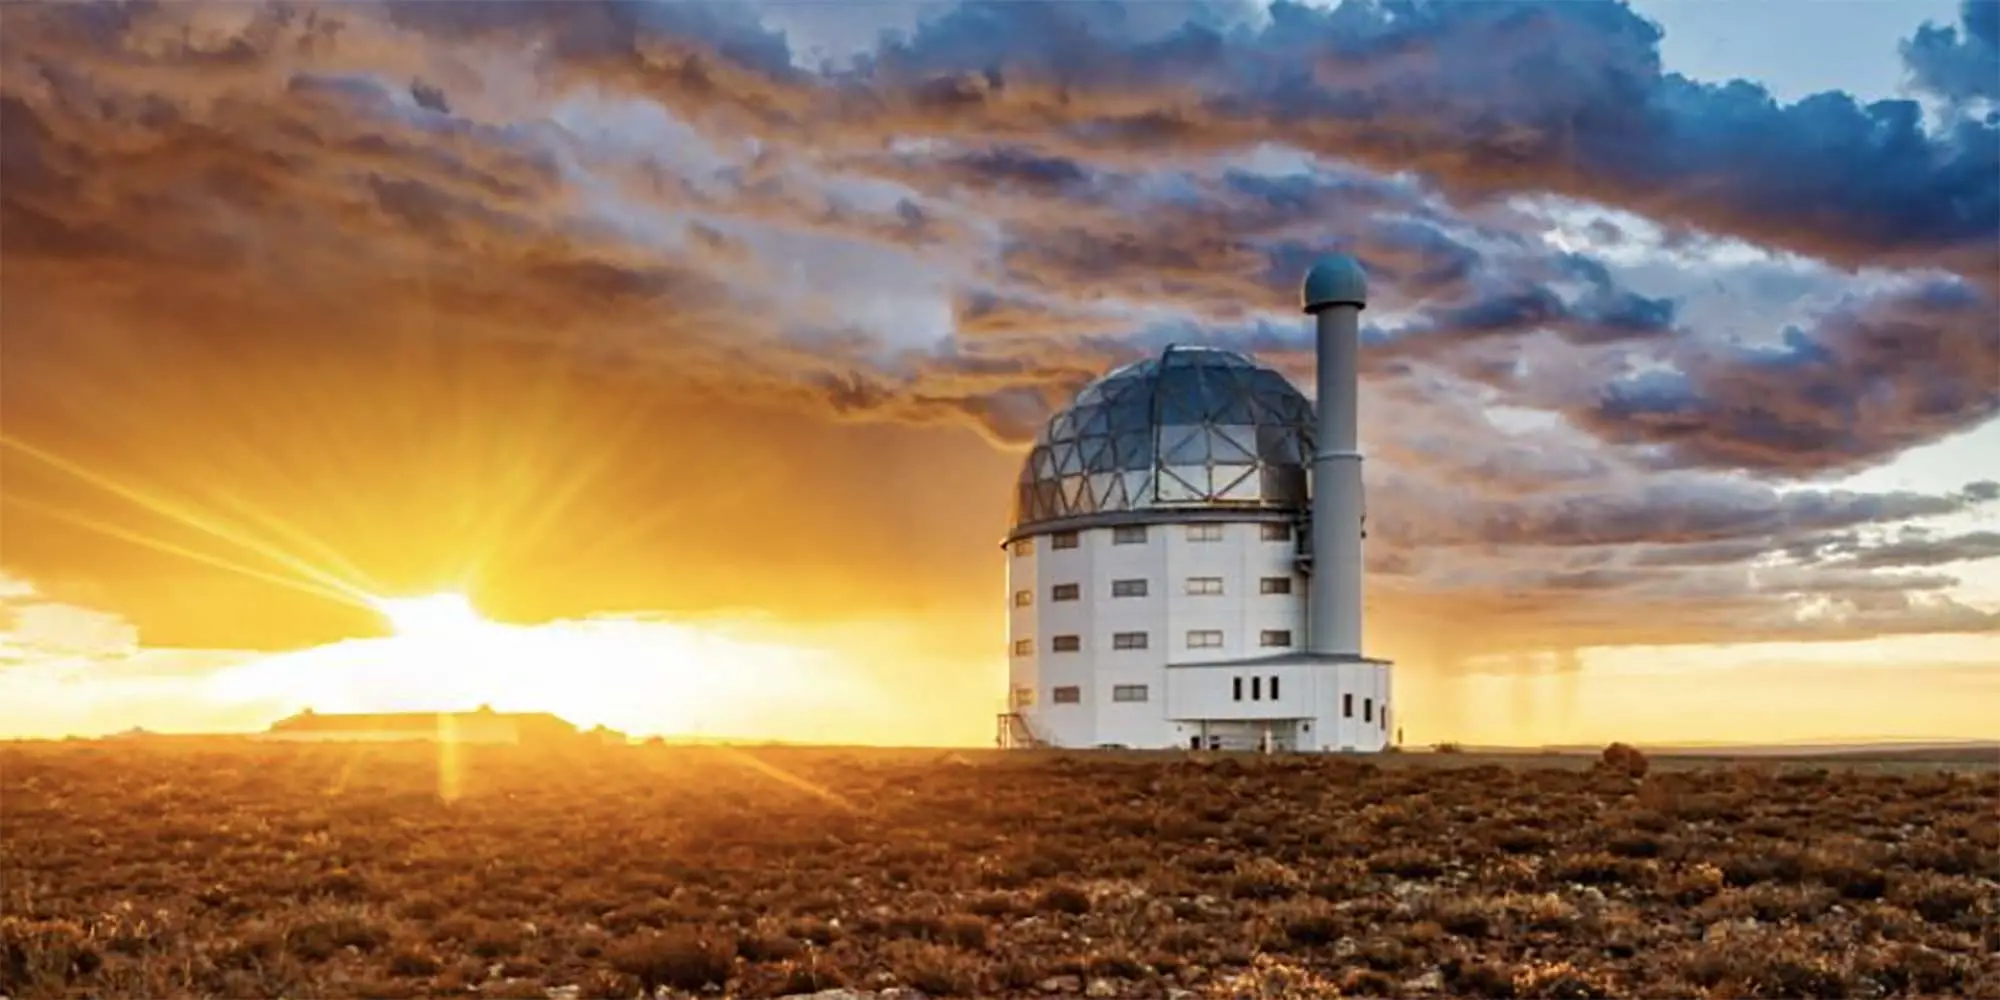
x: 1159, y: 574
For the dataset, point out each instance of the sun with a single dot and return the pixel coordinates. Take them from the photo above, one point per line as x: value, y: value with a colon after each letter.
x: 430, y: 615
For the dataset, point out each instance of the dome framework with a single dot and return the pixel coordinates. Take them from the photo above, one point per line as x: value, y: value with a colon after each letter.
x: 1194, y: 428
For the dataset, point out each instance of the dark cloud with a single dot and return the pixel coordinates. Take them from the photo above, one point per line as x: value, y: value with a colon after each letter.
x: 1869, y: 380
x: 1564, y: 96
x: 1959, y: 62
x: 1679, y: 510
x: 1912, y: 552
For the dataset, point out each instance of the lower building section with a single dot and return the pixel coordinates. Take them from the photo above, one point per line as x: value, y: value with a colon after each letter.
x: 1287, y: 703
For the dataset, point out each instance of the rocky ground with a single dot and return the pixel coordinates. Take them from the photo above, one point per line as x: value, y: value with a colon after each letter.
x: 239, y: 870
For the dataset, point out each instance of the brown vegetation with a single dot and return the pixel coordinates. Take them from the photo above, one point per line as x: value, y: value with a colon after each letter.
x: 245, y: 870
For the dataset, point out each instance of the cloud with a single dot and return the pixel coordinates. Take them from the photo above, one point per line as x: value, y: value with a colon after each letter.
x: 1927, y: 551
x: 1868, y: 380
x: 617, y: 306
x: 1960, y: 62
x: 1569, y: 97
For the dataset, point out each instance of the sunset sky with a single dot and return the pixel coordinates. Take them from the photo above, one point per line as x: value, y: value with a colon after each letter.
x: 697, y: 345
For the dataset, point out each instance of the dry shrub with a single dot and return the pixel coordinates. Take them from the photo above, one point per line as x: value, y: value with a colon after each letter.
x: 1944, y: 899
x: 1560, y: 981
x: 1407, y: 862
x: 1621, y: 758
x: 1063, y: 899
x: 414, y: 959
x: 45, y: 955
x: 1264, y: 878
x: 1465, y: 917
x: 1309, y: 924
x: 811, y: 976
x: 679, y: 959
x: 938, y: 971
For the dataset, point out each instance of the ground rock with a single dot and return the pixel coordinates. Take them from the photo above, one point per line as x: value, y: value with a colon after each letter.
x: 1100, y: 988
x: 1429, y: 982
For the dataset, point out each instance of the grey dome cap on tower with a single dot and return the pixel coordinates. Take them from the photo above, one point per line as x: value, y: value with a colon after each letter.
x: 1195, y: 427
x: 1335, y: 280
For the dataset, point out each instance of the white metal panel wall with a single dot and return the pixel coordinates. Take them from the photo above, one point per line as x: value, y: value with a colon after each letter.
x: 1165, y: 560
x: 1196, y: 692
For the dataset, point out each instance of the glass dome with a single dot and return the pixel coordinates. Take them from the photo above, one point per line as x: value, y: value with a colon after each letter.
x: 1194, y: 427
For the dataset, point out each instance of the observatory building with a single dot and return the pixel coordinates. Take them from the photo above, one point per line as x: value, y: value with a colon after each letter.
x: 1184, y: 565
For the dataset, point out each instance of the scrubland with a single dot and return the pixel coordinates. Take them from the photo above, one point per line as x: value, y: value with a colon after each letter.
x: 244, y: 870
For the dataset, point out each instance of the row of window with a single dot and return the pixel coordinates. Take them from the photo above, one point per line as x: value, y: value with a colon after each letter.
x: 1070, y: 694
x: 1135, y: 534
x: 1256, y: 689
x: 1201, y: 638
x: 1196, y: 586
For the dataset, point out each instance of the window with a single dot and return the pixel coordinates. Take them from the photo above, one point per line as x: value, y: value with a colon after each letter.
x: 1204, y: 585
x: 1280, y: 532
x: 1023, y: 547
x: 1128, y: 692
x: 1239, y: 688
x: 1256, y: 689
x: 1128, y: 640
x: 1347, y: 706
x: 1368, y: 710
x: 1066, y: 643
x: 1204, y: 532
x: 1129, y: 534
x: 1023, y: 697
x: 1024, y: 647
x: 1063, y: 540
x: 1128, y: 588
x: 1275, y: 585
x: 1275, y: 637
x: 1064, y: 592
x: 1204, y: 638
x: 1274, y: 689
x: 1385, y: 717
x: 1023, y: 598
x: 1068, y: 695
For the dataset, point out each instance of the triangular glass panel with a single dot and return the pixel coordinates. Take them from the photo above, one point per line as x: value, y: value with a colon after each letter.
x: 1132, y: 412
x: 1068, y: 461
x: 1234, y: 407
x: 1195, y: 476
x: 1043, y: 462
x: 1133, y: 451
x: 1180, y: 397
x: 1096, y: 421
x: 1236, y: 482
x: 1063, y: 425
x: 1096, y: 453
x: 1072, y: 491
x: 1233, y: 443
x: 1279, y: 444
x: 1102, y: 486
x: 1138, y: 489
x: 1183, y: 444
x: 1048, y: 500
x: 1173, y: 489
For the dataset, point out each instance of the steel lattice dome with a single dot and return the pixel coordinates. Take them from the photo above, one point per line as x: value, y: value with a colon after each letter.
x: 1196, y: 427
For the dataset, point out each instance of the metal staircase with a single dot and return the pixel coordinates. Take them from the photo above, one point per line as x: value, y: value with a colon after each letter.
x: 1015, y: 734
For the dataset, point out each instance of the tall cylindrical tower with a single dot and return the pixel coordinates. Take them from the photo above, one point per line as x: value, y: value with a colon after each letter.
x: 1335, y: 293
